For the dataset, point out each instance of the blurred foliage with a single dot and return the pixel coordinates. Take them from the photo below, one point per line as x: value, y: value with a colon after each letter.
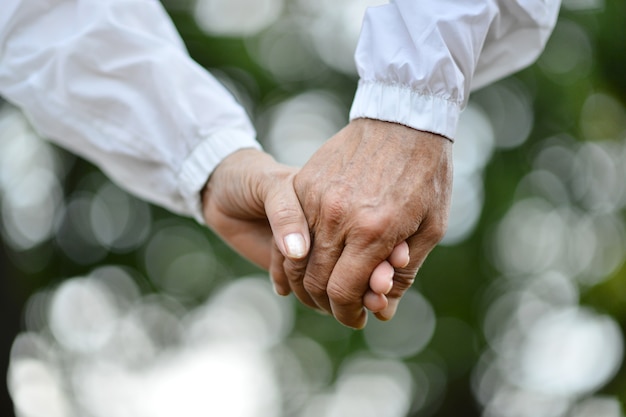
x: 457, y: 280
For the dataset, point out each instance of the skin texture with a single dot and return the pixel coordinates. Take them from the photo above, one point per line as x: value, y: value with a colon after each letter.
x: 365, y: 212
x: 242, y: 189
x: 367, y: 189
x: 250, y: 202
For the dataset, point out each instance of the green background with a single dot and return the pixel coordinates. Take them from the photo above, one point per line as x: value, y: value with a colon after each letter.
x: 456, y: 279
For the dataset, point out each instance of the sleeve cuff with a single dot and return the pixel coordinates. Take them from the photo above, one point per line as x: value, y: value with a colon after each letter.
x: 204, y: 159
x: 401, y: 104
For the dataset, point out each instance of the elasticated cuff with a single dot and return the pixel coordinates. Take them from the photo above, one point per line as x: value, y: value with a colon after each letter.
x: 401, y: 104
x: 202, y: 161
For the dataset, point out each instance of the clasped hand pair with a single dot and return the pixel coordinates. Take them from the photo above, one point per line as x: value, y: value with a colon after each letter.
x: 350, y: 229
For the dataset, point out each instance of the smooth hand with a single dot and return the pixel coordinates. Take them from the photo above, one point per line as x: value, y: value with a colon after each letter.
x: 369, y: 188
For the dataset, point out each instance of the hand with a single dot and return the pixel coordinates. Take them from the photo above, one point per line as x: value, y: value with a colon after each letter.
x: 367, y: 189
x: 249, y: 201
x: 381, y: 280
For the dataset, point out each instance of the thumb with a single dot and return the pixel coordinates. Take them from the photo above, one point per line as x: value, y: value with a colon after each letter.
x: 287, y: 220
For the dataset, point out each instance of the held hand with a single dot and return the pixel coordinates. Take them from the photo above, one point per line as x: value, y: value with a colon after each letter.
x: 367, y: 189
x: 381, y: 280
x: 249, y: 201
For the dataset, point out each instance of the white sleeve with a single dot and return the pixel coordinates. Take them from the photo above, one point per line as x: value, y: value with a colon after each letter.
x: 419, y: 59
x: 111, y: 81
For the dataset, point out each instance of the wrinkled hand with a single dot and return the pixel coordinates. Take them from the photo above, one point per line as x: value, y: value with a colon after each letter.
x: 366, y: 190
x: 250, y: 202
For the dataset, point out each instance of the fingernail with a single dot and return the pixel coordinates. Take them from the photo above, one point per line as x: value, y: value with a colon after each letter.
x: 279, y: 290
x: 275, y: 288
x: 294, y: 244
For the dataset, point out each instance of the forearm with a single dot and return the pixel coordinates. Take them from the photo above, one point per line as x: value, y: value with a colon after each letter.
x: 418, y: 60
x: 112, y: 82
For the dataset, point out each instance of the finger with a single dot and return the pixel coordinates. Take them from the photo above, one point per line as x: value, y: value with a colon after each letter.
x: 288, y: 223
x: 374, y: 302
x: 277, y: 272
x: 251, y: 239
x: 350, y: 280
x: 420, y: 245
x: 325, y: 251
x: 295, y: 271
x: 381, y: 280
x: 400, y: 255
x: 403, y: 280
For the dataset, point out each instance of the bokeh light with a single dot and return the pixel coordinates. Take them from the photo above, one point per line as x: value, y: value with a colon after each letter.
x: 508, y: 105
x: 246, y: 311
x: 82, y: 315
x: 598, y: 406
x: 286, y: 52
x: 408, y: 333
x: 29, y: 185
x: 569, y: 352
x: 136, y: 312
x: 34, y: 380
x: 335, y: 30
x: 370, y: 387
x: 119, y: 221
x: 561, y: 354
x: 583, y: 5
x: 179, y: 260
x: 236, y: 17
x: 473, y: 148
x: 74, y: 233
x: 563, y: 234
x: 111, y: 361
x: 586, y: 247
x: 568, y: 56
x: 128, y: 363
x: 298, y: 126
x: 304, y: 369
x: 603, y: 117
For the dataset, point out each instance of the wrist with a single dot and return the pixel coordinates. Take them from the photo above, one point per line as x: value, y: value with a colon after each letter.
x: 230, y: 177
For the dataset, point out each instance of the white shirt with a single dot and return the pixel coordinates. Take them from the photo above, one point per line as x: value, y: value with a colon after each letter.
x: 111, y: 80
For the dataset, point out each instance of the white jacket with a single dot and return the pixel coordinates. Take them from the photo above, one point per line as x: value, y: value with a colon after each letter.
x: 111, y: 80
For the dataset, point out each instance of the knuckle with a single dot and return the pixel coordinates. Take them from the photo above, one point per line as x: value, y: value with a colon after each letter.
x: 285, y: 213
x: 342, y: 297
x: 355, y: 319
x: 373, y: 225
x: 402, y: 281
x: 314, y: 287
x: 374, y: 231
x: 335, y: 206
x: 435, y: 232
x: 294, y: 270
